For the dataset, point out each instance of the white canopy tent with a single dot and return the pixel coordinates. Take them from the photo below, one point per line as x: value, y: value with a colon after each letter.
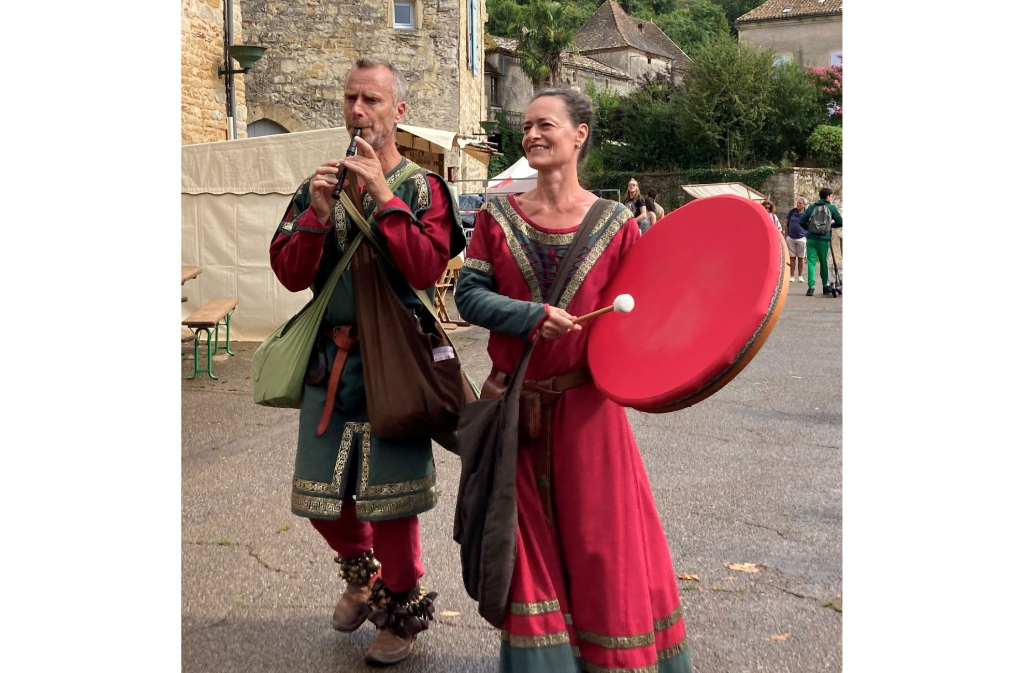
x: 515, y: 179
x: 233, y: 195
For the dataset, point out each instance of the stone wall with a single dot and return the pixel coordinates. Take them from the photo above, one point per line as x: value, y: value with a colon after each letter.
x: 203, y: 96
x: 782, y: 187
x: 579, y: 78
x: 312, y: 45
x: 786, y: 184
x: 809, y: 41
x: 515, y: 89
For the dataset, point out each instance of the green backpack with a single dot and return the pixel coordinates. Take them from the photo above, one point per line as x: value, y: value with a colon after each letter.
x: 821, y: 220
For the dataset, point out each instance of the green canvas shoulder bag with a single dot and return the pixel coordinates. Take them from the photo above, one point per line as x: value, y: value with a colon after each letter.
x: 279, y: 364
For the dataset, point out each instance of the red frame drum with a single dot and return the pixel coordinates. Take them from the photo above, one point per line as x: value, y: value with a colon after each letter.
x: 709, y: 282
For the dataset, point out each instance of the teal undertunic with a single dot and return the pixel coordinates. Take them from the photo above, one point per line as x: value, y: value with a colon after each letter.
x: 388, y: 479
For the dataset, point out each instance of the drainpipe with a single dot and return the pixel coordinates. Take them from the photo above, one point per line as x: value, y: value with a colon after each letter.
x: 229, y: 80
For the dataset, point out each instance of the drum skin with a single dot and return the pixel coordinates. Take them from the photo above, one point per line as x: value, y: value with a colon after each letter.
x: 709, y: 283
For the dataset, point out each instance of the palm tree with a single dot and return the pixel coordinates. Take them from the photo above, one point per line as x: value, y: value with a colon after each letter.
x: 544, y: 40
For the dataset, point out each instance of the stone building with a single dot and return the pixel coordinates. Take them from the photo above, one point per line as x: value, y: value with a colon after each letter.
x: 203, y: 97
x: 311, y: 45
x: 809, y: 32
x: 615, y: 51
x: 634, y: 47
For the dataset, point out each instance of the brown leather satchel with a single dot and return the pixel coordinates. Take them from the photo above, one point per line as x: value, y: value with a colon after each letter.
x: 414, y: 381
x: 415, y: 385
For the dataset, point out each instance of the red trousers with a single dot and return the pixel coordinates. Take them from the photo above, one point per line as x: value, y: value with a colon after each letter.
x: 395, y: 543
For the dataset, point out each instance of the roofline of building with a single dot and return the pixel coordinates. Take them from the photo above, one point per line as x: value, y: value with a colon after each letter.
x: 798, y: 17
x: 605, y: 50
x: 617, y: 75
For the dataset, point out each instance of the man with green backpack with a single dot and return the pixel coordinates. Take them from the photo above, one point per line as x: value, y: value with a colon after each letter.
x: 363, y: 493
x: 819, y: 220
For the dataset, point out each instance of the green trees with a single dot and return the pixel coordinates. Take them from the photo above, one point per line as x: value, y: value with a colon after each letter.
x: 728, y: 98
x: 737, y: 8
x: 544, y: 37
x: 693, y: 24
x: 794, y: 110
x: 826, y: 145
x: 733, y: 108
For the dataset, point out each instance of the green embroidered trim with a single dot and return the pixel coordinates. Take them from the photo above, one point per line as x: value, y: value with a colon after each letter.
x: 334, y: 487
x: 395, y: 507
x: 665, y: 622
x: 400, y: 486
x: 479, y: 265
x: 540, y: 608
x: 610, y: 229
x: 316, y: 506
x: 533, y: 642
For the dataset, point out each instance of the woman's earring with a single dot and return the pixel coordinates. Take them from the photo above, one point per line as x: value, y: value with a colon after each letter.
x: 577, y: 145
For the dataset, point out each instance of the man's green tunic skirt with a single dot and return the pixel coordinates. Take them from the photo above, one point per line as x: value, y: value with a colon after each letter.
x: 388, y: 479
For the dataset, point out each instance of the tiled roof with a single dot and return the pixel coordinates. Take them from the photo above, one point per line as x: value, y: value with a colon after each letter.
x: 656, y: 35
x: 773, y: 9
x: 571, y: 60
x: 496, y: 43
x: 611, y: 27
x: 493, y: 43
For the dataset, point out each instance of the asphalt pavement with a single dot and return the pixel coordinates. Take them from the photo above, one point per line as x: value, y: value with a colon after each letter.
x: 751, y: 475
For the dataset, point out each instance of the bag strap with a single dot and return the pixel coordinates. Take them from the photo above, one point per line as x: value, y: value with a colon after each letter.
x: 365, y: 228
x: 555, y: 293
x: 332, y: 280
x: 367, y: 232
x: 575, y: 248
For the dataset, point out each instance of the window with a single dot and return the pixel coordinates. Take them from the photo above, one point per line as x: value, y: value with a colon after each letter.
x: 835, y: 58
x: 787, y: 10
x: 494, y: 92
x: 404, y: 15
x: 783, y: 58
x: 472, y: 38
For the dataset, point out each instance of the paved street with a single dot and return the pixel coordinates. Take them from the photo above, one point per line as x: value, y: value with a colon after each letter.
x: 751, y: 475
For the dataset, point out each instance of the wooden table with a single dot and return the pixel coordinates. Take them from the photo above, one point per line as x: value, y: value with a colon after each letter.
x: 189, y: 272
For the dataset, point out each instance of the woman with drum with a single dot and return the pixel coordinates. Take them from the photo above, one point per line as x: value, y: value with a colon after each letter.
x: 593, y: 585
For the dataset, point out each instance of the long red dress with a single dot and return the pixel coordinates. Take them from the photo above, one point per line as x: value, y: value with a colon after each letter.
x: 595, y: 590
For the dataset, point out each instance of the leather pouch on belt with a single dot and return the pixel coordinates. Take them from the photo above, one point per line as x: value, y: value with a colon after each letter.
x: 531, y: 419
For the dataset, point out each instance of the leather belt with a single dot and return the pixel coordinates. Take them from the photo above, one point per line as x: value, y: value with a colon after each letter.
x: 536, y: 411
x: 555, y: 384
x: 340, y: 337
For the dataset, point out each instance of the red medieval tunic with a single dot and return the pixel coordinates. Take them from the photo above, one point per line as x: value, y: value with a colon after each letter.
x: 595, y: 590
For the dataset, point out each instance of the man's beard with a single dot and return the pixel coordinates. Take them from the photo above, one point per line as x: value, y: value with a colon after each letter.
x: 378, y: 139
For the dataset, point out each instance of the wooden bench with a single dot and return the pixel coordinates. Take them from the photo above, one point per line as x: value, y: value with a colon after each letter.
x: 211, y: 316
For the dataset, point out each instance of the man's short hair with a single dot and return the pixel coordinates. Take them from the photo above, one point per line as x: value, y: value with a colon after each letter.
x: 825, y: 191
x: 399, y: 89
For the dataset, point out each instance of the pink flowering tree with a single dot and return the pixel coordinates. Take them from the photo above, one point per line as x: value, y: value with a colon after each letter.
x: 830, y: 80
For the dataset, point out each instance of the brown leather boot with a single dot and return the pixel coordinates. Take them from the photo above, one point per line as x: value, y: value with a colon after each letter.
x: 354, y: 605
x: 389, y: 648
x: 352, y: 609
x: 398, y: 618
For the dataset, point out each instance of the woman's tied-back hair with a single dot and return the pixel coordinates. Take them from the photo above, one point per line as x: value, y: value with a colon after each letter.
x: 399, y: 89
x: 580, y: 112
